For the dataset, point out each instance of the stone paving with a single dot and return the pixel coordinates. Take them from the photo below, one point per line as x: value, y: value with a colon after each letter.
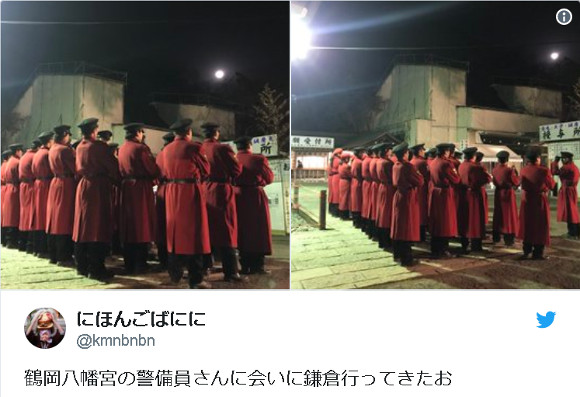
x: 343, y: 257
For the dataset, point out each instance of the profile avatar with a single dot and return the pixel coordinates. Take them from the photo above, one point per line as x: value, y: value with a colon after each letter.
x: 45, y: 328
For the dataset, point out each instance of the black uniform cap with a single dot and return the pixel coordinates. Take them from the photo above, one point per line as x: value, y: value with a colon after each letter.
x: 132, y: 128
x: 416, y: 148
x: 105, y: 134
x: 169, y: 137
x: 15, y: 146
x: 209, y: 126
x: 62, y: 130
x: 445, y: 146
x: 469, y: 150
x: 243, y: 141
x: 88, y: 124
x: 479, y: 155
x: 181, y: 125
x: 6, y: 154
x: 457, y: 155
x: 566, y: 155
x: 503, y: 154
x: 532, y: 153
x: 46, y: 136
x: 432, y: 152
x: 401, y: 148
x: 36, y: 144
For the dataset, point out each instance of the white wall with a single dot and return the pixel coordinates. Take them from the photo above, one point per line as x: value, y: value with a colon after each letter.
x: 532, y: 100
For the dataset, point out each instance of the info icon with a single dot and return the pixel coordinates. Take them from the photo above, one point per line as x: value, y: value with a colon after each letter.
x: 44, y: 328
x: 564, y: 16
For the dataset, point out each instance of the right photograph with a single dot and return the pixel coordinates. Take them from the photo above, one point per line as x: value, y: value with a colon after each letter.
x: 435, y: 145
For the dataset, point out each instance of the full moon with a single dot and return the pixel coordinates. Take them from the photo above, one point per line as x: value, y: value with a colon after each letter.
x: 219, y: 74
x: 554, y: 55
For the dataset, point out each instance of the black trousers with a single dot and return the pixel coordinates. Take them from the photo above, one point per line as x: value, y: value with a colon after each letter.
x: 344, y: 215
x: 476, y: 243
x: 573, y: 229
x: 12, y: 237
x: 162, y: 253
x: 423, y: 233
x: 39, y: 245
x: 90, y: 258
x: 229, y: 261
x: 403, y: 250
x: 4, y: 236
x: 60, y: 247
x: 439, y: 245
x: 508, y: 239
x: 537, y: 250
x: 384, y: 236
x: 251, y: 262
x: 193, y: 263
x: 135, y: 257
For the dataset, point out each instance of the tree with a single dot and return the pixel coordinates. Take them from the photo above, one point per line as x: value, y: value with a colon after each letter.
x: 575, y: 100
x: 271, y: 116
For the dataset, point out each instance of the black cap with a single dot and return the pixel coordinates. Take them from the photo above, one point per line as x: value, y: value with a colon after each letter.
x: 181, y: 125
x: 566, y: 155
x: 479, y: 156
x: 133, y: 128
x: 88, y: 124
x: 6, y: 154
x: 358, y: 149
x: 503, y: 154
x: 432, y: 152
x: 533, y: 152
x: 209, y: 126
x: 105, y: 134
x: 15, y: 146
x: 445, y: 146
x: 416, y: 148
x: 243, y: 140
x: 169, y: 137
x: 61, y: 130
x: 400, y: 149
x: 469, y: 150
x: 457, y: 155
x: 46, y: 136
x: 75, y: 144
x: 36, y: 144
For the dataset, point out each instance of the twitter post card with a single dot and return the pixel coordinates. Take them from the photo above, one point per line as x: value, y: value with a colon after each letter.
x: 268, y: 198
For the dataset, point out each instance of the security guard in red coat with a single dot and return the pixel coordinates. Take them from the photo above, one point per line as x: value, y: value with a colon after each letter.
x: 92, y: 228
x: 11, y: 204
x: 534, y: 228
x: 221, y: 201
x: 161, y: 240
x: 333, y: 177
x: 356, y: 183
x: 254, y: 228
x: 472, y: 210
x: 442, y: 207
x: 385, y: 194
x: 42, y: 178
x: 374, y: 194
x: 116, y: 246
x: 505, y: 211
x: 568, y: 195
x: 61, y: 198
x: 5, y: 156
x: 420, y: 163
x: 345, y: 175
x: 184, y: 166
x: 137, y: 211
x: 27, y: 198
x: 406, y: 220
x: 366, y: 191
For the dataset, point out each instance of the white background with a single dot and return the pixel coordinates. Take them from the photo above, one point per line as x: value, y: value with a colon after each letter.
x: 488, y: 340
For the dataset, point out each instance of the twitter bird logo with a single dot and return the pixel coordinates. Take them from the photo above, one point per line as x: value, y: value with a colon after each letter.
x: 547, y: 320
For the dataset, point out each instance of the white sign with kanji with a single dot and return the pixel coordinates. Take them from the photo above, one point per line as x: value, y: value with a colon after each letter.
x: 560, y: 131
x: 266, y: 145
x: 312, y: 142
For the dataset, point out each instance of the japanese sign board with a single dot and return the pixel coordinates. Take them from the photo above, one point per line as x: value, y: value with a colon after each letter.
x: 560, y: 131
x: 266, y: 145
x: 312, y: 142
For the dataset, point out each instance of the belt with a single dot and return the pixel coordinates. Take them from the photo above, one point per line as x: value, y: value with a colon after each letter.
x: 570, y: 183
x: 63, y: 176
x: 248, y: 185
x: 183, y: 180
x: 15, y: 183
x: 218, y: 180
x: 441, y: 187
x: 137, y: 178
x: 26, y: 180
x: 346, y: 179
x: 95, y: 175
x: 368, y: 179
x: 44, y: 178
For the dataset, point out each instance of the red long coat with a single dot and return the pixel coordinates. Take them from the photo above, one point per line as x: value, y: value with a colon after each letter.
x: 11, y: 213
x: 420, y: 165
x: 160, y: 200
x: 2, y: 187
x: 505, y: 210
x: 442, y: 208
x: 26, y: 191
x: 374, y: 189
x: 254, y: 227
x: 377, y: 184
x: 137, y: 211
x: 568, y: 194
x: 332, y: 173
x: 345, y: 175
x: 61, y: 194
x: 335, y: 181
x: 356, y: 184
x: 43, y: 176
x: 366, y: 188
x: 472, y: 206
x: 406, y: 217
x: 97, y: 168
x: 186, y: 209
x: 535, y: 207
x: 386, y: 193
x: 221, y: 201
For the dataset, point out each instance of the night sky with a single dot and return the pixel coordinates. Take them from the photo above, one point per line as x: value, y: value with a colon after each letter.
x: 163, y: 46
x: 499, y: 38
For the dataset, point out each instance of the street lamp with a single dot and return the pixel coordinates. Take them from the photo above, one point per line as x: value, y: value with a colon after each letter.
x: 300, y: 37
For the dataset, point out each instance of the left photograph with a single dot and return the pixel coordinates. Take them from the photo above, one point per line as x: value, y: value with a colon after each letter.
x: 145, y: 145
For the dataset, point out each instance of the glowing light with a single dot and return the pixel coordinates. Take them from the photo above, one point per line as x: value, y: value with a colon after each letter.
x: 300, y: 38
x: 219, y: 74
x: 554, y: 56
